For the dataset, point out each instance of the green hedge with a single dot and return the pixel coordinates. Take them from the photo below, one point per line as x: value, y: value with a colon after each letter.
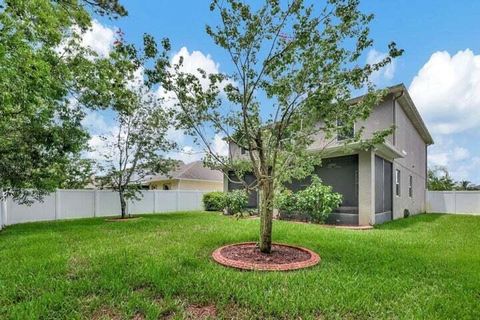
x: 317, y: 201
x: 214, y: 201
x: 235, y: 201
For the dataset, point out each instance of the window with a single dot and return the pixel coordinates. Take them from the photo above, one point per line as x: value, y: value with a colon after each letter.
x: 410, y: 187
x: 397, y: 182
x: 242, y: 150
x: 344, y: 131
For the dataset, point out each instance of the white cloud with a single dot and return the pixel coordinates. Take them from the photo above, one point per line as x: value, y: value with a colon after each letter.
x: 195, y: 60
x: 457, y: 159
x: 192, y: 61
x: 447, y: 91
x: 99, y: 124
x: 460, y: 153
x: 187, y: 154
x: 99, y: 38
x: 386, y: 73
x: 220, y: 146
x: 95, y: 122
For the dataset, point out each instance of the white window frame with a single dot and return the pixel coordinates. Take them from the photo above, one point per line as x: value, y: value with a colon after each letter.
x: 398, y: 181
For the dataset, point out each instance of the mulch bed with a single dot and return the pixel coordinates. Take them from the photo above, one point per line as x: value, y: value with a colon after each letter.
x: 334, y: 226
x: 247, y: 256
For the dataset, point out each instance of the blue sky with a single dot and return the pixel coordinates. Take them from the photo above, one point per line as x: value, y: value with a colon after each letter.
x: 441, y: 40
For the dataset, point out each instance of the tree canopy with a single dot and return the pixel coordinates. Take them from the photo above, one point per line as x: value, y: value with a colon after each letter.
x: 47, y: 78
x: 139, y: 143
x: 294, y: 68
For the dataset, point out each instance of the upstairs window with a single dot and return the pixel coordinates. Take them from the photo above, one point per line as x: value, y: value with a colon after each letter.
x: 397, y: 182
x: 344, y: 131
x: 410, y: 187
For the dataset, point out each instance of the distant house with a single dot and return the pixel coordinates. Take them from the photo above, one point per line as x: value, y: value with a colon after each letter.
x: 191, y: 176
x: 380, y: 184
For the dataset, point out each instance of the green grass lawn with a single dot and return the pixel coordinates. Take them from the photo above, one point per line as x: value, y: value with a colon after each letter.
x: 425, y: 266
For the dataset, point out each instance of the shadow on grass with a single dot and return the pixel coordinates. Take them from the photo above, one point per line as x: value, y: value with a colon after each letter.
x: 409, y: 222
x: 69, y: 224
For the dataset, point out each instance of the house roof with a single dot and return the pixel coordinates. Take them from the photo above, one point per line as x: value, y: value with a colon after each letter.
x: 410, y: 109
x: 190, y: 171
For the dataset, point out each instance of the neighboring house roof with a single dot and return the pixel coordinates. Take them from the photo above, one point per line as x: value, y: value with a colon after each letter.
x: 410, y: 109
x: 191, y: 171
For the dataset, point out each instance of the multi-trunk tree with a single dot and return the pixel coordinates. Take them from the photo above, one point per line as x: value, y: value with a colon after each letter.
x: 292, y: 67
x: 46, y: 79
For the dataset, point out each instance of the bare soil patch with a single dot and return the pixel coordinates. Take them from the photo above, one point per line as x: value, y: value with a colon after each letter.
x: 119, y: 219
x: 202, y: 312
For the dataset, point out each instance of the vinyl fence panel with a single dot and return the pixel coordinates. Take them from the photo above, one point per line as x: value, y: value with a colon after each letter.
x: 144, y: 205
x: 38, y: 211
x: 454, y: 202
x: 72, y: 204
x: 166, y: 201
x: 108, y: 203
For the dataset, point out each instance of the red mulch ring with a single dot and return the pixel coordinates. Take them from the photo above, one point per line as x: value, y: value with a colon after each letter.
x: 247, y: 256
x: 118, y: 219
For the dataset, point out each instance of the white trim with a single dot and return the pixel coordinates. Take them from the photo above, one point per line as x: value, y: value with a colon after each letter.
x: 167, y: 180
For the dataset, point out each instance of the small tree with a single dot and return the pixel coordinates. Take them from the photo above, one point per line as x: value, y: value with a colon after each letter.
x: 139, y: 141
x: 293, y: 65
x: 439, y: 179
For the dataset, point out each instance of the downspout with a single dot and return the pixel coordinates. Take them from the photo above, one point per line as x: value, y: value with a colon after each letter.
x: 395, y: 98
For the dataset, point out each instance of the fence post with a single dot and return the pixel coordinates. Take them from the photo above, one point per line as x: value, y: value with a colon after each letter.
x: 3, y: 212
x: 57, y: 204
x: 127, y: 207
x: 199, y: 199
x: 176, y: 199
x: 154, y: 201
x: 455, y: 200
x: 95, y: 202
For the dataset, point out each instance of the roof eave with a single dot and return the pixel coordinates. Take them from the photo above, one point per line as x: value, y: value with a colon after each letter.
x: 412, y: 112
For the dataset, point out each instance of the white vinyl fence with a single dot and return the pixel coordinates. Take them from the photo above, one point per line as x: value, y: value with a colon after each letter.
x: 456, y: 202
x: 72, y: 204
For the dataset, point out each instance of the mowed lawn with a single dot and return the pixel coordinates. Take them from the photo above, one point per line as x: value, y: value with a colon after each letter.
x: 159, y: 267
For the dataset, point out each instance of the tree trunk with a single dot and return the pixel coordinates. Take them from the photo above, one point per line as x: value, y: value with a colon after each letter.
x: 123, y: 205
x: 266, y: 216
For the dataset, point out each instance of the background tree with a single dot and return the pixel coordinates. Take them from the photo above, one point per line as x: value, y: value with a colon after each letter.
x: 293, y: 65
x: 78, y: 173
x: 136, y: 149
x: 438, y: 179
x: 47, y: 78
x: 464, y: 185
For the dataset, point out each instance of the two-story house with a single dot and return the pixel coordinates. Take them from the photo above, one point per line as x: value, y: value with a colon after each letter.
x: 384, y: 183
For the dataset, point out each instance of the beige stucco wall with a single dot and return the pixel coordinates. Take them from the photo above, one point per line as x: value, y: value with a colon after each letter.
x: 200, y: 185
x: 406, y: 139
x: 159, y: 185
x: 414, y: 162
x: 381, y: 118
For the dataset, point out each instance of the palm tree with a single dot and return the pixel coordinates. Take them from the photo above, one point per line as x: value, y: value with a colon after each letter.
x: 464, y: 185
